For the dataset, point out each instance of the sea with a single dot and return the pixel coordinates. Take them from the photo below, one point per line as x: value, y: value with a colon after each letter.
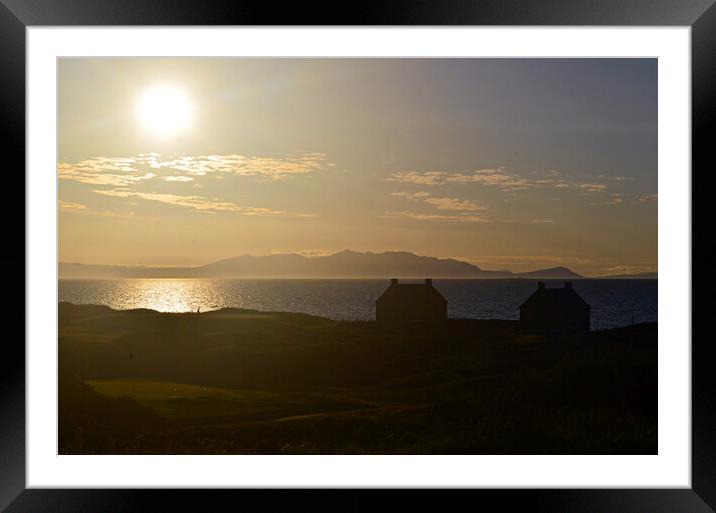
x: 613, y: 302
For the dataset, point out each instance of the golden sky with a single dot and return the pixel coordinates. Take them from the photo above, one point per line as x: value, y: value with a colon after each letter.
x: 506, y: 163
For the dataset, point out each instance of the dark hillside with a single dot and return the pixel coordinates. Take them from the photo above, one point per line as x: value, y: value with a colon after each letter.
x: 266, y: 382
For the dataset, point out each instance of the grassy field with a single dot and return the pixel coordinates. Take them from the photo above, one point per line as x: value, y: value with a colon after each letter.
x: 181, y: 401
x: 246, y: 382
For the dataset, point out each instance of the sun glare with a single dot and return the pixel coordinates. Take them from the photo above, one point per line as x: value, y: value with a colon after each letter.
x: 165, y: 110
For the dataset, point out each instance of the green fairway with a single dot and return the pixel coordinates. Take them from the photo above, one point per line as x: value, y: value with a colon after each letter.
x: 151, y: 391
x: 185, y: 401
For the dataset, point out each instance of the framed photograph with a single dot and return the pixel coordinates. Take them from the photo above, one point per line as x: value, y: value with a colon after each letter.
x: 446, y: 247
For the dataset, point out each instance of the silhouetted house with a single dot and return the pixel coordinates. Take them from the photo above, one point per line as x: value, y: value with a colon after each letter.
x: 410, y: 304
x: 555, y: 311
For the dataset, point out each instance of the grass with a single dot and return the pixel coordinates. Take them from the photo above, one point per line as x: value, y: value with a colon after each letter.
x: 211, y: 404
x: 247, y: 382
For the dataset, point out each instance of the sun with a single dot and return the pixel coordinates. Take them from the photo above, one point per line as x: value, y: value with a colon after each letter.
x: 165, y: 110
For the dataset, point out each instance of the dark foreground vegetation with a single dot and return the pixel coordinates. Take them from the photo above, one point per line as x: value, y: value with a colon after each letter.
x: 246, y: 382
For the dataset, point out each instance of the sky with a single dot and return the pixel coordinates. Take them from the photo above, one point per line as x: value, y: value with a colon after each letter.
x: 513, y: 164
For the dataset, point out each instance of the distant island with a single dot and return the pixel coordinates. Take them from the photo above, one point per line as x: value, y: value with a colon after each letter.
x: 345, y: 264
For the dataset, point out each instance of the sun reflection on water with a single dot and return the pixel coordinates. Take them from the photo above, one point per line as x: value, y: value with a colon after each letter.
x: 166, y: 295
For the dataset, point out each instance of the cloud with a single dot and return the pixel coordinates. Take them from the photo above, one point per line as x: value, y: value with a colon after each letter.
x: 306, y: 252
x: 454, y: 204
x: 530, y: 259
x: 493, y: 177
x: 590, y: 187
x: 201, y: 204
x: 71, y: 207
x: 490, y: 177
x: 647, y: 198
x: 528, y: 221
x: 614, y: 199
x: 103, y: 171
x: 457, y: 218
x: 557, y: 182
x: 629, y: 269
x: 441, y: 203
x: 79, y: 208
x: 316, y: 252
x: 429, y: 178
x: 124, y: 171
x: 276, y: 168
x: 617, y: 178
x: 416, y: 196
x: 561, y: 183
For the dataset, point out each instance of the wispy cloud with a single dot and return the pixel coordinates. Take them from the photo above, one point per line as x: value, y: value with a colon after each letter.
x: 617, y: 178
x: 495, y: 177
x: 614, y: 199
x: 415, y: 196
x: 647, y: 198
x: 80, y: 208
x: 441, y: 203
x: 557, y: 182
x: 492, y: 177
x: 71, y: 207
x: 126, y: 171
x: 528, y: 259
x: 629, y: 269
x: 306, y: 252
x: 563, y: 183
x: 589, y: 187
x: 527, y: 221
x: 427, y: 178
x: 103, y: 171
x: 275, y: 168
x: 454, y: 204
x: 457, y: 218
x: 201, y: 204
x: 178, y: 179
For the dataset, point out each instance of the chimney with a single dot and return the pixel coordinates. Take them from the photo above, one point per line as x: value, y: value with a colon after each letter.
x: 393, y: 281
x: 568, y: 285
x: 540, y: 285
x: 429, y: 282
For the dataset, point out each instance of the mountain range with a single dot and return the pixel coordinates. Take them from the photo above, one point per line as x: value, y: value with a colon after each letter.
x: 345, y: 264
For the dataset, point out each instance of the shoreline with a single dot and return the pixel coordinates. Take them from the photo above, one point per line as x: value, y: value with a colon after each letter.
x: 228, y: 310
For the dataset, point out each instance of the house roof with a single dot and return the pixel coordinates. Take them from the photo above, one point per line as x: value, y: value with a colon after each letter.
x: 410, y: 293
x: 559, y: 297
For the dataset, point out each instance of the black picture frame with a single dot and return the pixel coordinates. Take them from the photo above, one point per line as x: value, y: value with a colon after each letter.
x: 700, y: 15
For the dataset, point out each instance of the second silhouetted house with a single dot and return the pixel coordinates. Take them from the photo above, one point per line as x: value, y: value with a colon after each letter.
x: 555, y: 311
x: 411, y: 304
